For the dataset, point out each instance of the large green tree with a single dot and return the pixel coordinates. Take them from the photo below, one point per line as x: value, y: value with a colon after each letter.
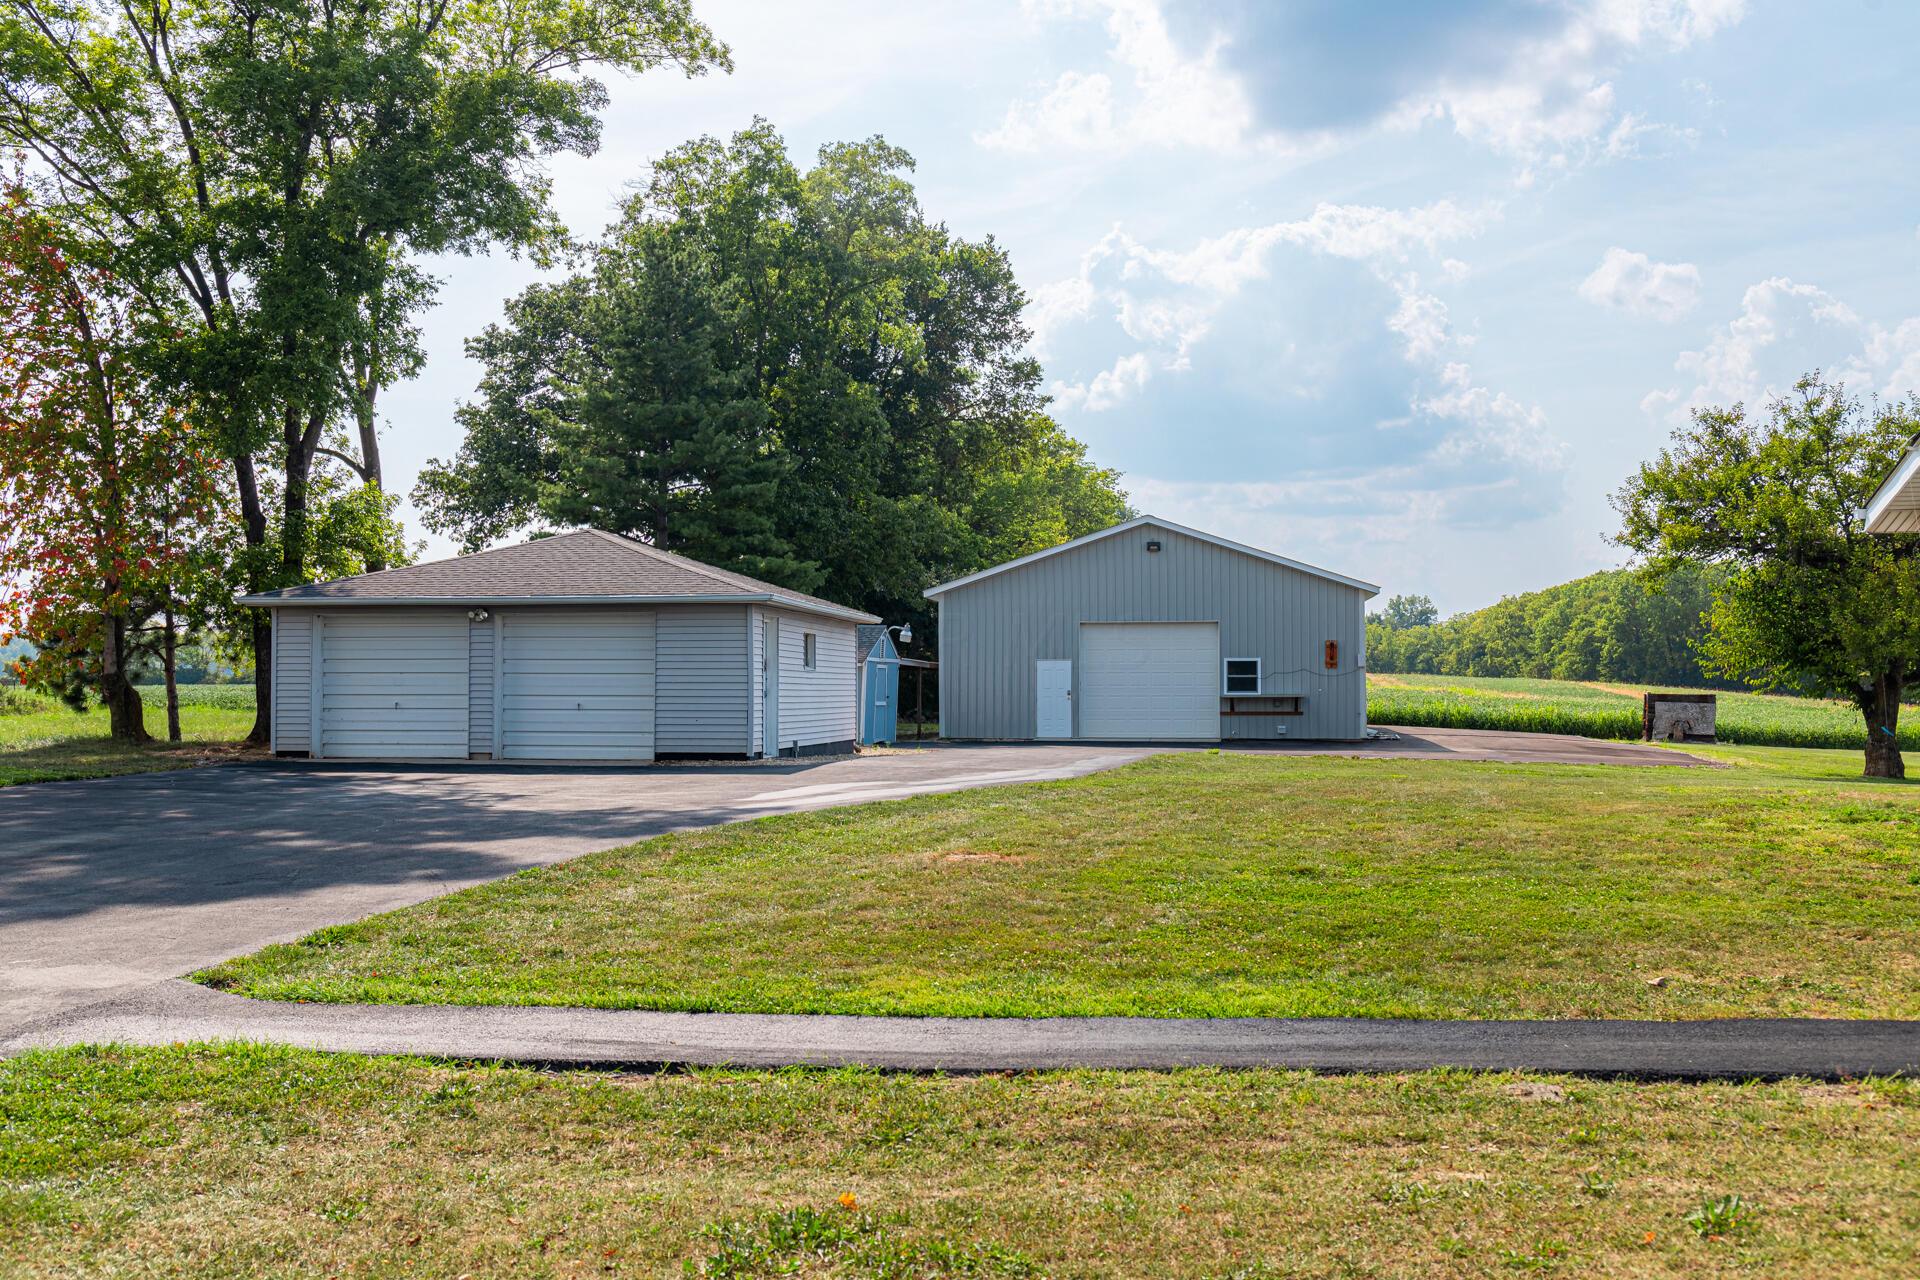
x: 265, y: 173
x: 1811, y: 600
x: 900, y: 416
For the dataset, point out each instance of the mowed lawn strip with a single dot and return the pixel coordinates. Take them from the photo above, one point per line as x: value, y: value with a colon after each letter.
x: 245, y: 1161
x: 58, y: 744
x: 1209, y: 885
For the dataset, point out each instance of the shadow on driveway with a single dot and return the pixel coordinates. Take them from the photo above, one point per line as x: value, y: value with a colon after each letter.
x: 235, y: 832
x: 110, y: 884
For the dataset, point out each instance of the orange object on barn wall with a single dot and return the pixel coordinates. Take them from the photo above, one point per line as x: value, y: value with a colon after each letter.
x: 1333, y: 654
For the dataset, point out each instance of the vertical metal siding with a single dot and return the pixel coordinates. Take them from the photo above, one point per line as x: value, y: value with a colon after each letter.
x: 480, y: 687
x: 292, y: 680
x: 816, y: 706
x: 702, y: 683
x: 992, y: 631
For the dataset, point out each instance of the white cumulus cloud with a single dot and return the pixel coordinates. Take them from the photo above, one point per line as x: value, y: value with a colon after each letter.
x: 1626, y: 281
x: 1787, y: 328
x: 1175, y: 98
x: 1109, y: 387
x: 1540, y: 87
x: 1166, y: 300
x: 1478, y: 451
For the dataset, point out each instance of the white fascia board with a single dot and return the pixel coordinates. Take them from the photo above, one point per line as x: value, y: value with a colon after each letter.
x: 1891, y: 495
x: 271, y: 601
x: 1170, y: 527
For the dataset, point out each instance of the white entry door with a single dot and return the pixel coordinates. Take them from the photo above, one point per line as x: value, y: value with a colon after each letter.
x: 1150, y: 681
x: 576, y: 685
x: 1053, y: 686
x: 393, y: 685
x: 770, y: 686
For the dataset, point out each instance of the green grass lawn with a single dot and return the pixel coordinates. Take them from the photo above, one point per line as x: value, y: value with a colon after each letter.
x: 243, y: 1161
x: 51, y: 743
x: 1612, y: 711
x: 1210, y: 884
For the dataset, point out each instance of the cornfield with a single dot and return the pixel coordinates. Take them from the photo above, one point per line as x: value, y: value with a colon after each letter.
x: 1611, y: 711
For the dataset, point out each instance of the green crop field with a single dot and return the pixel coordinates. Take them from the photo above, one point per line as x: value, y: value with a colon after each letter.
x: 15, y: 700
x: 226, y: 697
x: 1611, y: 711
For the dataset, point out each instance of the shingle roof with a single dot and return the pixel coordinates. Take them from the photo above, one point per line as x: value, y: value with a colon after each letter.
x: 588, y: 566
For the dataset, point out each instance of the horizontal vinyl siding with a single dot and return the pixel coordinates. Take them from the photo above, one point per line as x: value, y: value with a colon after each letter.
x: 577, y: 685
x: 816, y: 706
x: 393, y: 684
x: 992, y: 631
x: 292, y: 680
x: 701, y: 680
x: 757, y: 672
x: 480, y: 688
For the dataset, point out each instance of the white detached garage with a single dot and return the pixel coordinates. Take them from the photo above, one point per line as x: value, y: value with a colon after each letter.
x: 585, y: 646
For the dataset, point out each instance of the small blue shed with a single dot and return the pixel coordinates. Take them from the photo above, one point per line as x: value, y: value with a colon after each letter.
x: 880, y: 692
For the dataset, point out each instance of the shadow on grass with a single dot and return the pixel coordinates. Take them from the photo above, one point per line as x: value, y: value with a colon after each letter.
x: 73, y: 759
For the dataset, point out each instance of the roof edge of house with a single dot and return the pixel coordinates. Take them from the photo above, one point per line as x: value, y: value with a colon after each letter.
x: 275, y: 600
x: 1271, y: 557
x: 1904, y: 472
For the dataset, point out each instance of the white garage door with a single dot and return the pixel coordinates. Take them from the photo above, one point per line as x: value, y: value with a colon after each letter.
x: 1150, y: 680
x: 577, y: 686
x: 393, y: 685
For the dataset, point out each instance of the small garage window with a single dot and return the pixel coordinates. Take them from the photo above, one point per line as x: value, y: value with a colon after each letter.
x: 807, y: 649
x: 1243, y: 676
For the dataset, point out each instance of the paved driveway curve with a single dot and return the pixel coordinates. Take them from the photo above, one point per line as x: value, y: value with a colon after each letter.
x: 1731, y: 1048
x: 110, y: 885
x: 111, y: 889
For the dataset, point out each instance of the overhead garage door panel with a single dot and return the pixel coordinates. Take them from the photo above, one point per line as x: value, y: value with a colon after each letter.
x: 394, y: 685
x: 1157, y: 681
x: 577, y: 686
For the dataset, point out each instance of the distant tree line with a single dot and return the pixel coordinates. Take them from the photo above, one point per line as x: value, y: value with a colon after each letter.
x: 1618, y: 625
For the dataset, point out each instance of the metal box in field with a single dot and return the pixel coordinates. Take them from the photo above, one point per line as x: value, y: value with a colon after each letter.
x: 1677, y: 717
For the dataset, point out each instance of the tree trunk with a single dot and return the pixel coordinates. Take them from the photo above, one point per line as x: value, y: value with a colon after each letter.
x: 169, y: 652
x: 126, y: 716
x: 1882, y: 707
x: 367, y: 375
x: 369, y: 456
x: 254, y: 517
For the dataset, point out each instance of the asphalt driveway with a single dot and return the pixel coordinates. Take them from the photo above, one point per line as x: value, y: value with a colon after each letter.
x: 114, y: 889
x: 108, y: 886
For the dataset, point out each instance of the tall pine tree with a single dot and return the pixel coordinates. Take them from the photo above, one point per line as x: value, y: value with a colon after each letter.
x: 905, y: 425
x: 660, y: 434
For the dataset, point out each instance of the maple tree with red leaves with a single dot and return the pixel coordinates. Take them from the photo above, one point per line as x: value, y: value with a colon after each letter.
x: 107, y: 497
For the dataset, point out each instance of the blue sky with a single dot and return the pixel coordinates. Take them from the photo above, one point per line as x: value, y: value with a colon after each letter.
x: 1404, y: 289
